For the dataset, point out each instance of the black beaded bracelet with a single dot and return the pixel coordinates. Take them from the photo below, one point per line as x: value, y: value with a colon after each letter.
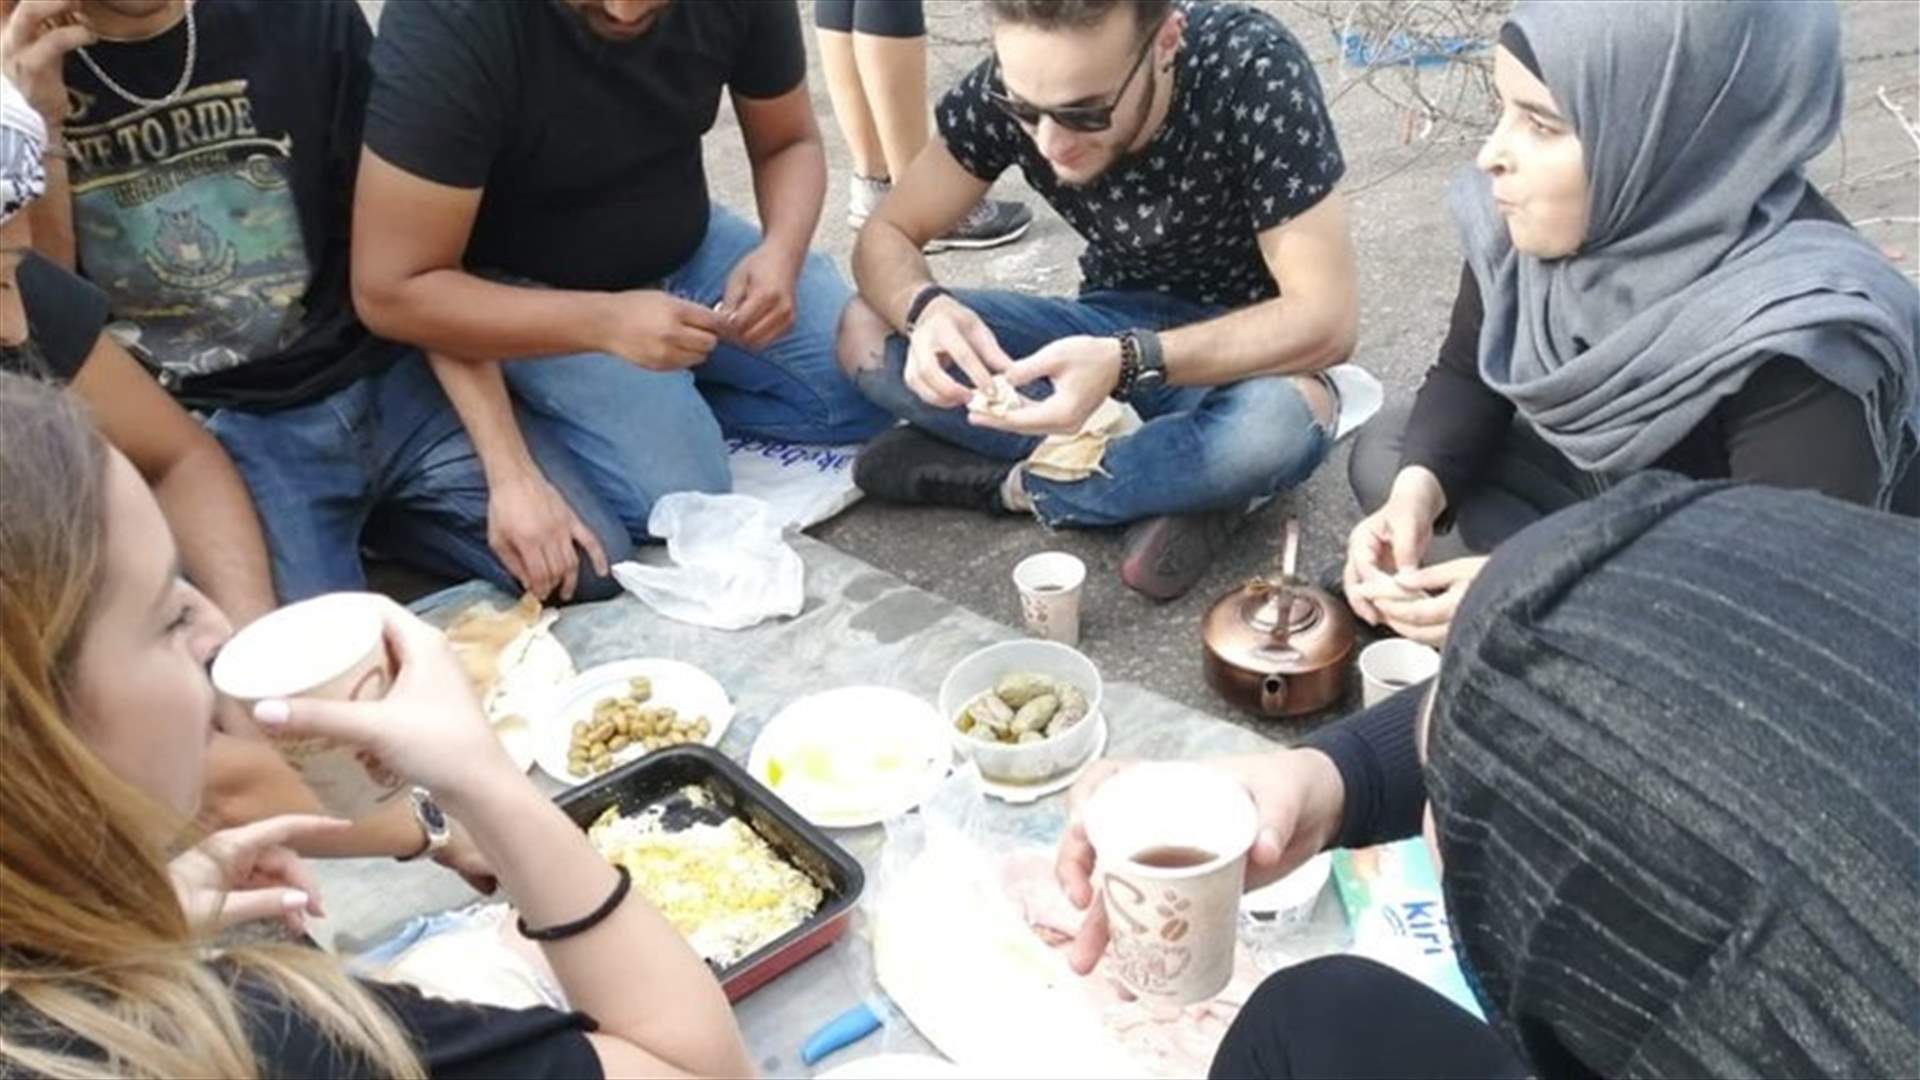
x: 581, y: 926
x: 1129, y: 367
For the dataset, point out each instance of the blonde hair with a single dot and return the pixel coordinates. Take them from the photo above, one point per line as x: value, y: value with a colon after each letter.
x: 100, y: 973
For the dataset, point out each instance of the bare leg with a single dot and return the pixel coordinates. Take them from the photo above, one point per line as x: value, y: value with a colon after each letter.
x: 893, y: 74
x: 849, y: 97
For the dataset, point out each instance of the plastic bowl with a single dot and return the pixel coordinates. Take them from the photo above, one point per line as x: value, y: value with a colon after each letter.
x: 1023, y: 763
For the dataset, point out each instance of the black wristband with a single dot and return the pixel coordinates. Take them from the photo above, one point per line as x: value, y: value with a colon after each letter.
x: 581, y: 926
x: 928, y: 294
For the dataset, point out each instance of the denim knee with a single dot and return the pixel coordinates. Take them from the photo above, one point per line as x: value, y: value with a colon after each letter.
x: 1268, y: 440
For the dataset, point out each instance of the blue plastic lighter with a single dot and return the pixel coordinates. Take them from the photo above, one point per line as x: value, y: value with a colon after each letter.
x: 848, y: 1028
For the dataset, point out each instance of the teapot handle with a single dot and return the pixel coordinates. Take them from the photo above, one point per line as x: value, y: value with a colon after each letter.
x: 1290, y: 551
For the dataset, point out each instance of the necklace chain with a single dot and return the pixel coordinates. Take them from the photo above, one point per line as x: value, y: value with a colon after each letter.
x: 179, y: 88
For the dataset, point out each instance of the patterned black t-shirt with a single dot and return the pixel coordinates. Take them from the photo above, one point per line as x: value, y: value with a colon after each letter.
x: 1246, y: 146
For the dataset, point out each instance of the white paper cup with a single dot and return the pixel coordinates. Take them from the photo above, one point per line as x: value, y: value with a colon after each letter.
x: 333, y: 647
x: 1288, y: 903
x: 1390, y: 666
x: 1049, y: 585
x: 1172, y: 927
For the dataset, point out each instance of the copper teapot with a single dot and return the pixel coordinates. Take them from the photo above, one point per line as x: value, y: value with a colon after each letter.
x: 1277, y: 646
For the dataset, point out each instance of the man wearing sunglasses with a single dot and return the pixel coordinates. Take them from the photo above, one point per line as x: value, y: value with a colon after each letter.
x: 1190, y: 146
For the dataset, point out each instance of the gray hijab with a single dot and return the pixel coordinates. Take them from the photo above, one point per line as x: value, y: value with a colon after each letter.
x: 1696, y: 120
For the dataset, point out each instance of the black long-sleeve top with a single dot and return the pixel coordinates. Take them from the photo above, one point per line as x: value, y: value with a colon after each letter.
x: 1379, y: 762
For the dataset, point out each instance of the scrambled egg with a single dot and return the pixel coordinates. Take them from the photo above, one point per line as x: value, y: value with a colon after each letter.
x: 722, y: 886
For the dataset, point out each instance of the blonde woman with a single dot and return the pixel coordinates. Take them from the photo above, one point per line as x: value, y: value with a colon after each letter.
x: 106, y: 912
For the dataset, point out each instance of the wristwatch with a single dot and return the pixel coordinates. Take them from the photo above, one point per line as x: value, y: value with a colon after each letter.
x: 1143, y: 364
x: 433, y: 822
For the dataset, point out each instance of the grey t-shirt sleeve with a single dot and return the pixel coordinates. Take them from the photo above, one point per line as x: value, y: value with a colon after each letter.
x: 980, y: 137
x: 443, y: 88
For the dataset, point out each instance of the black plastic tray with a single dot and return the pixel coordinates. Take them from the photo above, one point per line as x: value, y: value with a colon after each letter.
x: 659, y: 776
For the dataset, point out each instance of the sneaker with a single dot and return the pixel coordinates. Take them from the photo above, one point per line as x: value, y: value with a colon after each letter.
x: 907, y: 465
x: 1167, y: 555
x: 863, y: 197
x: 989, y: 224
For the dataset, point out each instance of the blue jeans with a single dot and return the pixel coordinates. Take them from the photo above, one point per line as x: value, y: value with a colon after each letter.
x: 1200, y: 448
x: 636, y: 435
x: 642, y: 433
x: 386, y: 459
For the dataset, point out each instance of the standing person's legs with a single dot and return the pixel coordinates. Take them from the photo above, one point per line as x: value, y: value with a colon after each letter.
x: 890, y: 52
x: 307, y: 471
x: 833, y: 23
x: 1526, y: 481
x: 1344, y: 1016
x: 793, y: 389
x: 432, y: 492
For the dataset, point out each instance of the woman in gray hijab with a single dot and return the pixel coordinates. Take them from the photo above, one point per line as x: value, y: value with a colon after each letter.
x: 1650, y: 281
x: 1669, y: 760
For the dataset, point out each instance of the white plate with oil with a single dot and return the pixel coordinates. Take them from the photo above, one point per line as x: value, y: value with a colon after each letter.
x: 854, y: 756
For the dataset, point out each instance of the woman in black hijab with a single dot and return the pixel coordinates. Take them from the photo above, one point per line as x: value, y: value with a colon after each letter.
x: 1671, y: 758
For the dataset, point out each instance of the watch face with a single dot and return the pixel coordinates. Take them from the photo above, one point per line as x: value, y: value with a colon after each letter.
x: 1150, y: 377
x: 431, y: 814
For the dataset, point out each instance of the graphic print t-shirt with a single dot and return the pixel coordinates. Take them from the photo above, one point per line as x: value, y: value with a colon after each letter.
x: 217, y: 223
x: 1246, y: 146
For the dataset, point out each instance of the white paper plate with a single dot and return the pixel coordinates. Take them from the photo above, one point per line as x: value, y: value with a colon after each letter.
x: 1027, y: 793
x: 690, y: 691
x: 853, y: 756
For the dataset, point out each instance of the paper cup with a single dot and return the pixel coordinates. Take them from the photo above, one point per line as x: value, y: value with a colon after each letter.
x: 333, y: 647
x: 1049, y: 585
x: 1170, y: 842
x: 1288, y: 903
x: 1390, y: 666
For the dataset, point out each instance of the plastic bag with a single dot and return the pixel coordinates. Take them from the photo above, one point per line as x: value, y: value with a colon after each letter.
x: 804, y: 483
x: 731, y: 567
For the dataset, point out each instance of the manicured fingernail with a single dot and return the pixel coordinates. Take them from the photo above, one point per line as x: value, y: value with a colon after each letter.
x: 272, y: 712
x: 294, y: 900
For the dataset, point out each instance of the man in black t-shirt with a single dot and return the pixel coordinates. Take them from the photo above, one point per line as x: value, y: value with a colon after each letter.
x: 209, y: 155
x: 1190, y: 146
x: 533, y: 187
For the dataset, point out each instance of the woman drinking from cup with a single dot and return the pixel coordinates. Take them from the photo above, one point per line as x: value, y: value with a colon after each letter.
x: 106, y: 912
x: 1667, y: 770
x: 1651, y: 282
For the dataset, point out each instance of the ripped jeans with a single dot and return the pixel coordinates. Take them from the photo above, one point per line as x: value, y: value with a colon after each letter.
x: 1200, y: 448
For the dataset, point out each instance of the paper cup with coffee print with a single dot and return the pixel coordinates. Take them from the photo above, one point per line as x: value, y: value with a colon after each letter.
x: 1049, y: 585
x: 332, y: 647
x: 1170, y: 844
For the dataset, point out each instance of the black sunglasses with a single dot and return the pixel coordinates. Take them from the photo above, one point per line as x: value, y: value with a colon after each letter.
x: 1084, y: 118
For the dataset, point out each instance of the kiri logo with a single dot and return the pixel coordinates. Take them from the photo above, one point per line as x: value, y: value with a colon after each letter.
x: 1423, y: 923
x: 826, y: 459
